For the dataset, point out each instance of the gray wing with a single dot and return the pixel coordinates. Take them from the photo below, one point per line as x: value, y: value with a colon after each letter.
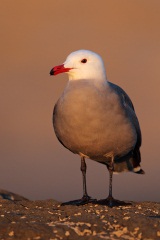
x: 130, y: 162
x: 128, y: 105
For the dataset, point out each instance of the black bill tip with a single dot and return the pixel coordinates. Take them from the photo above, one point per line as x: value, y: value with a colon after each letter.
x: 51, y: 72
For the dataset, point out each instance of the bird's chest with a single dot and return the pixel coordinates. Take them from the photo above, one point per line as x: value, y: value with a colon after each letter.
x: 86, y: 112
x: 92, y: 123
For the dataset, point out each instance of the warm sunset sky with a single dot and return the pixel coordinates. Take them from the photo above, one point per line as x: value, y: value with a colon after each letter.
x: 37, y: 35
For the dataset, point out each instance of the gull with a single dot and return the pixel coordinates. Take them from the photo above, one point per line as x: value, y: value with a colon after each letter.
x: 95, y: 119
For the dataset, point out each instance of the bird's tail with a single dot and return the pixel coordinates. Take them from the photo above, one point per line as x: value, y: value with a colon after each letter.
x: 130, y: 162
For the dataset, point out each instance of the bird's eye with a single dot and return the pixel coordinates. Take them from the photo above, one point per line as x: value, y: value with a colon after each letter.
x: 84, y: 60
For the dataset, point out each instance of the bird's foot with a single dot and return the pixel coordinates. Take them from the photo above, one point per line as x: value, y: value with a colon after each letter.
x: 111, y: 202
x: 84, y: 200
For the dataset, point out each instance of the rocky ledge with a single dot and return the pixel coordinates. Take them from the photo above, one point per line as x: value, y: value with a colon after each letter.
x: 23, y: 219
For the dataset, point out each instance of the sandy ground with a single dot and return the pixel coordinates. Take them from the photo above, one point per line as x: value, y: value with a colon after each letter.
x: 25, y: 219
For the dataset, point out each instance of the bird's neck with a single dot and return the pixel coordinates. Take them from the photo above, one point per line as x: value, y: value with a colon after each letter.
x: 100, y: 84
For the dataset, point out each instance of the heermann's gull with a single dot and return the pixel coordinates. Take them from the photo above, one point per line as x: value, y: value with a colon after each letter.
x: 96, y: 119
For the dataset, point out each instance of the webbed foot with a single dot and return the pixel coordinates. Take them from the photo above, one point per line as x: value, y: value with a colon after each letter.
x: 111, y: 202
x: 84, y: 200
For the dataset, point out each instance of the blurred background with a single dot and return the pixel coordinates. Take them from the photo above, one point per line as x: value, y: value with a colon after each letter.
x: 37, y: 35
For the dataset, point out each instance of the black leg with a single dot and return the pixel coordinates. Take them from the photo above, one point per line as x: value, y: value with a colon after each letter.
x: 110, y: 201
x: 110, y: 182
x: 85, y: 199
x: 83, y: 170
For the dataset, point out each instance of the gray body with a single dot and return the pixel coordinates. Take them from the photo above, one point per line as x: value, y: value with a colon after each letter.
x: 99, y: 123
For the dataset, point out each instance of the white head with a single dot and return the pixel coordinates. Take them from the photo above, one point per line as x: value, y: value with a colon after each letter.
x: 82, y: 64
